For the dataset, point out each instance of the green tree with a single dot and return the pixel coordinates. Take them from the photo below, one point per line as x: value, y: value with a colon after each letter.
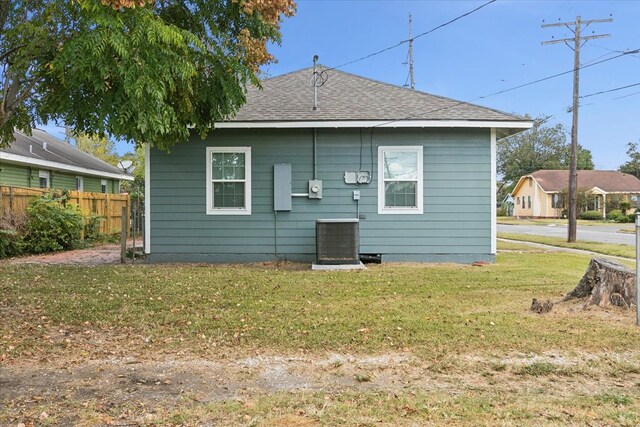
x: 98, y: 146
x: 542, y: 147
x: 137, y: 70
x: 632, y: 166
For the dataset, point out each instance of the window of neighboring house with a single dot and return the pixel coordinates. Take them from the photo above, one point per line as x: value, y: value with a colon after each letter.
x: 103, y: 185
x: 400, y: 180
x: 79, y: 183
x: 44, y: 179
x: 529, y: 202
x: 518, y: 202
x: 557, y: 201
x: 523, y: 200
x: 229, y: 180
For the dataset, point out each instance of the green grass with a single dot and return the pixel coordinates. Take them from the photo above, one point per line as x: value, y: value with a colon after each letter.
x: 463, y: 324
x: 510, y: 220
x: 434, y: 310
x: 534, y: 406
x: 602, y: 248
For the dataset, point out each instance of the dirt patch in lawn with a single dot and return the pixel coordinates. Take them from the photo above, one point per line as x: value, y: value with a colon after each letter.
x: 128, y: 390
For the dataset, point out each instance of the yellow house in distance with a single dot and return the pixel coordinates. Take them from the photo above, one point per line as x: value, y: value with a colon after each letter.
x: 541, y: 194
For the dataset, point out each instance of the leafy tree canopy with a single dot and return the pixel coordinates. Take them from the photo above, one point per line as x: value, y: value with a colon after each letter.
x: 542, y: 147
x: 138, y: 70
x: 632, y: 166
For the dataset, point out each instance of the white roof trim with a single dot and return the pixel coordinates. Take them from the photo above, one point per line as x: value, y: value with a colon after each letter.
x: 16, y: 158
x: 376, y: 123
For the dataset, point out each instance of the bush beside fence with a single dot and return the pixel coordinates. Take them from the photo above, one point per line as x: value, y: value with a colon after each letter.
x: 15, y: 200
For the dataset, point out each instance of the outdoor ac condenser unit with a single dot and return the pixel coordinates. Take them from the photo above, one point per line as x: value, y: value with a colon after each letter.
x: 337, y: 241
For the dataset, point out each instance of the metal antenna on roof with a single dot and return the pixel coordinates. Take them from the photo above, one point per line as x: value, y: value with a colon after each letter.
x: 315, y: 82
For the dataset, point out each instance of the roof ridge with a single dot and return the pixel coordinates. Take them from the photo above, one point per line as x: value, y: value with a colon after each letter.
x: 408, y: 90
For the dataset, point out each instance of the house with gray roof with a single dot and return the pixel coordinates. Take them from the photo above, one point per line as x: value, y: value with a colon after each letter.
x: 416, y: 172
x: 44, y: 161
x: 541, y: 194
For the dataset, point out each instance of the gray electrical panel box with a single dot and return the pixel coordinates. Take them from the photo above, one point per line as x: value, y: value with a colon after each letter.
x: 282, y: 187
x: 315, y: 189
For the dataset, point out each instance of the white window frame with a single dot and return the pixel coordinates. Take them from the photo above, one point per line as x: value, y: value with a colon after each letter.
x: 103, y: 183
x: 44, y: 174
x: 386, y: 210
x: 80, y: 181
x: 247, y: 182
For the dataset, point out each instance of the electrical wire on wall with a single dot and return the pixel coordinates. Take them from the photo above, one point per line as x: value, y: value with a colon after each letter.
x: 275, y: 233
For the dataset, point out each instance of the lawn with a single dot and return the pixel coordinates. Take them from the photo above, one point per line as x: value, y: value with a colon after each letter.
x: 511, y: 220
x: 624, y: 251
x: 450, y: 344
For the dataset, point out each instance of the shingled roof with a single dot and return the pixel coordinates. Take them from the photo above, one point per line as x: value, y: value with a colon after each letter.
x: 58, y: 154
x: 608, y: 181
x: 348, y: 97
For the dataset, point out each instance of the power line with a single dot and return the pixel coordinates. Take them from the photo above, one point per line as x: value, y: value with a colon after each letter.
x: 454, y: 19
x: 626, y: 96
x: 413, y: 38
x: 455, y: 104
x: 610, y: 90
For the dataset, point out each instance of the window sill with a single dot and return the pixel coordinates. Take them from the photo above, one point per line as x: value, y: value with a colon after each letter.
x: 387, y: 211
x: 229, y: 212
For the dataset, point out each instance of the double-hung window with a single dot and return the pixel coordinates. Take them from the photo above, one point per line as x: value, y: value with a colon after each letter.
x: 400, y: 180
x: 79, y: 183
x: 229, y: 180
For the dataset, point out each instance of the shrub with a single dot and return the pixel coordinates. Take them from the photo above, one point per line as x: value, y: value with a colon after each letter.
x: 92, y: 228
x: 52, y: 226
x: 614, y: 215
x: 10, y: 243
x: 628, y: 218
x: 591, y: 215
x: 624, y: 207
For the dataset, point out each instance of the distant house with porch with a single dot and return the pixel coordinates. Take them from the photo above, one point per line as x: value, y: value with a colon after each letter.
x: 542, y: 193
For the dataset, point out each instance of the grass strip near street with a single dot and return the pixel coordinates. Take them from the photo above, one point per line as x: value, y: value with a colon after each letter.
x: 510, y: 220
x: 601, y: 248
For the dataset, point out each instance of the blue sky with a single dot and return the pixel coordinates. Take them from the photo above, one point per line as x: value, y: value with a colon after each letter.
x: 495, y: 48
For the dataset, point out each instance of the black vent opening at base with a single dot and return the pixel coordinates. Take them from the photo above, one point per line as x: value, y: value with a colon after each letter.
x: 337, y: 241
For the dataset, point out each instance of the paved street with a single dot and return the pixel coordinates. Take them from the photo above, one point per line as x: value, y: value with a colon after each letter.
x: 593, y: 233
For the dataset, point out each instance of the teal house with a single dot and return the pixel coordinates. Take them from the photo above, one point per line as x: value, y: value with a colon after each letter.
x: 44, y: 161
x: 415, y: 173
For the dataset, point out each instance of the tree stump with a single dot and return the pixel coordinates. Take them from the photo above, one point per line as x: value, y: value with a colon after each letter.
x: 606, y: 283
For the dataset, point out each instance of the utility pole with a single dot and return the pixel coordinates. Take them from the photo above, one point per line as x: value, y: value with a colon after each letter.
x: 578, y: 42
x: 413, y: 86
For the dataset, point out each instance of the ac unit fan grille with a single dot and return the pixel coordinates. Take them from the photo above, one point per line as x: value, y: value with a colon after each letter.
x: 337, y: 242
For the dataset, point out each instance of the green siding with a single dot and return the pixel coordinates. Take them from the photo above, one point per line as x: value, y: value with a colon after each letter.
x: 455, y: 225
x: 92, y: 184
x: 14, y: 175
x: 62, y: 181
x: 18, y: 175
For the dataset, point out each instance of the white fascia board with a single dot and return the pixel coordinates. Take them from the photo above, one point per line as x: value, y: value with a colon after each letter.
x: 147, y: 198
x: 494, y: 195
x: 29, y: 161
x: 376, y: 123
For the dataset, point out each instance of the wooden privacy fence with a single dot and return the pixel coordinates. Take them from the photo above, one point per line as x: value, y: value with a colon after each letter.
x: 14, y: 202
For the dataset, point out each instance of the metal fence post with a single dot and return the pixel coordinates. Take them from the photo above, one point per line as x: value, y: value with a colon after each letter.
x: 637, y: 268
